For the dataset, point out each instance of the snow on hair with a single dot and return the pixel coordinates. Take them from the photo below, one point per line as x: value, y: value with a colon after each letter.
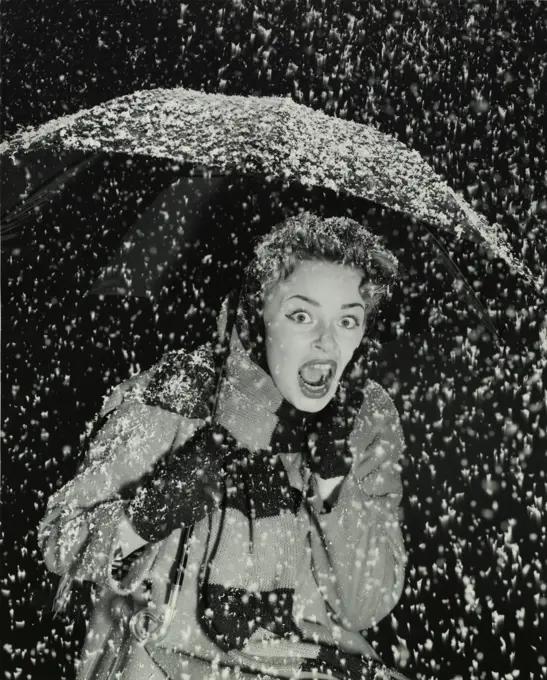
x: 340, y: 240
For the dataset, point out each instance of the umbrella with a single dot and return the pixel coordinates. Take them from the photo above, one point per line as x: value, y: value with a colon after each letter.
x: 280, y: 141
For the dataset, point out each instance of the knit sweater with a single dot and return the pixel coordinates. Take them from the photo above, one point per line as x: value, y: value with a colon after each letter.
x: 290, y: 587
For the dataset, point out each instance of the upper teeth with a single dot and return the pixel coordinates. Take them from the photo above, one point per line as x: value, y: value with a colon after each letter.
x: 322, y: 367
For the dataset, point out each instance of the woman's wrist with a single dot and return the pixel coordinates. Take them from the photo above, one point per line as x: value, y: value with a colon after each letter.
x: 328, y: 489
x: 128, y: 537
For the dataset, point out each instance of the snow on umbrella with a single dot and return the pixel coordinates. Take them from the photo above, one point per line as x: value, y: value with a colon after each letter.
x: 276, y: 137
x: 273, y: 139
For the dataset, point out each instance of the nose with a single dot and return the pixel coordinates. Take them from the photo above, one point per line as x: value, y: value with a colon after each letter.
x: 325, y: 340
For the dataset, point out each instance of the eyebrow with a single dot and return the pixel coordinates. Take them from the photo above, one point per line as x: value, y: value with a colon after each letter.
x: 316, y: 304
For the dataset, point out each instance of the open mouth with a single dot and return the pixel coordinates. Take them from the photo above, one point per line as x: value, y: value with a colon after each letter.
x: 315, y: 378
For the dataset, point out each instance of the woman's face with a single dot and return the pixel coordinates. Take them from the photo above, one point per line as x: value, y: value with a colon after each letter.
x: 314, y: 321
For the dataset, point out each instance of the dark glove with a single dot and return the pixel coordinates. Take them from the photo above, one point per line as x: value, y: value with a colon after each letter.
x: 328, y: 436
x: 185, y: 485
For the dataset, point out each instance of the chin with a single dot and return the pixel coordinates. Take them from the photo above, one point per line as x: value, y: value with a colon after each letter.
x: 310, y: 405
x: 315, y: 407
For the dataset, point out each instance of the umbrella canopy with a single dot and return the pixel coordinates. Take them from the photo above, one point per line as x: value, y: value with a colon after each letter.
x: 179, y: 144
x: 140, y: 227
x: 272, y: 137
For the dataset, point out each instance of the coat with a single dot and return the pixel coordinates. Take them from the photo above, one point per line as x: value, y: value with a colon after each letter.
x: 351, y: 561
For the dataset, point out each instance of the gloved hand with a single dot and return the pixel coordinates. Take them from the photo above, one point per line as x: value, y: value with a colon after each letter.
x: 184, y: 486
x: 329, y: 435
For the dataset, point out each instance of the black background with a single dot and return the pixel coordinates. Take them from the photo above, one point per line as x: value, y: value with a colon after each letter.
x: 464, y: 84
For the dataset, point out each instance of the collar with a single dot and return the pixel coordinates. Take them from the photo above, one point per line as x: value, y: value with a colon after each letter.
x: 250, y: 405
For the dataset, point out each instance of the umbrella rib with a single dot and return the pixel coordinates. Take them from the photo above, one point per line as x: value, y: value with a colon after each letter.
x: 21, y: 212
x: 471, y: 295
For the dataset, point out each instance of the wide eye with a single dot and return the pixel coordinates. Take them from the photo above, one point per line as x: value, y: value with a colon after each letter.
x: 349, y: 322
x: 300, y: 316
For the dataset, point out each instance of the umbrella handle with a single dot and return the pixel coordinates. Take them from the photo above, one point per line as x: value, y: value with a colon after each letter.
x: 145, y: 625
x: 233, y: 301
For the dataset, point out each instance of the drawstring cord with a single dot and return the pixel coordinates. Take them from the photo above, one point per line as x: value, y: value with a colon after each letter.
x: 251, y: 510
x: 203, y: 586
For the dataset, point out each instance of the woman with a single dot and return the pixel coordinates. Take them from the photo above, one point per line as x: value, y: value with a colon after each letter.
x: 264, y: 534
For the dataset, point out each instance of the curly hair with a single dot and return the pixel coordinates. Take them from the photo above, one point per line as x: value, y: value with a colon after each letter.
x: 307, y: 236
